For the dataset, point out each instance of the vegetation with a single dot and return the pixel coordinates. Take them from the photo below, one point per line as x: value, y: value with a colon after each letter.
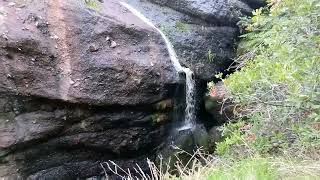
x: 276, y: 94
x: 183, y: 27
x: 179, y: 26
x: 207, y: 167
x: 277, y: 90
x: 210, y: 56
x: 93, y: 4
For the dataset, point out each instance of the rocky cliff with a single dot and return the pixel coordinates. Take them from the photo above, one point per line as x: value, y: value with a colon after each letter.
x: 204, y: 32
x: 85, y: 81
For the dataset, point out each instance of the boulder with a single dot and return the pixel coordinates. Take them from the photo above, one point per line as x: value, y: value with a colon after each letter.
x: 81, y: 83
x: 65, y: 50
x: 182, y: 145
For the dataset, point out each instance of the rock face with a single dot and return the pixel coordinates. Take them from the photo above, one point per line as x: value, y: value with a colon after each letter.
x: 66, y: 52
x: 46, y: 139
x: 79, y: 85
x: 203, y: 32
x: 85, y: 81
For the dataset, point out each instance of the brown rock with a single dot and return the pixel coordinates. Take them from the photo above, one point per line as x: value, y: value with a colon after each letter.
x: 62, y: 55
x: 64, y: 109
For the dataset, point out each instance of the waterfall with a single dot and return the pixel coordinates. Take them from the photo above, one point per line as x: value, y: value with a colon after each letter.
x: 189, y: 121
x: 190, y: 101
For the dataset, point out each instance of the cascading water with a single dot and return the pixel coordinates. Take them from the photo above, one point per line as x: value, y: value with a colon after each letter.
x: 189, y: 122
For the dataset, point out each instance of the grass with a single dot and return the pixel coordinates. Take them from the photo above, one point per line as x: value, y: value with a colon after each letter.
x: 267, y: 169
x: 251, y: 168
x: 208, y: 167
x: 246, y: 169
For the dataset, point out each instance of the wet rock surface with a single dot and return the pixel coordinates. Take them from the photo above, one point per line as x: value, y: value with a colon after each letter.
x: 218, y: 12
x: 204, y: 33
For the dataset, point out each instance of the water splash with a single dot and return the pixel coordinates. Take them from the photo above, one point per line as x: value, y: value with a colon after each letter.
x: 189, y: 122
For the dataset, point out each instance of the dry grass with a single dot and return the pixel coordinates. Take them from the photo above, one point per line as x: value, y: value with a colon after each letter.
x: 202, y: 166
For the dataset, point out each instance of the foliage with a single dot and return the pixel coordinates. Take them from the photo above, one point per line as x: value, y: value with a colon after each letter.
x: 210, y: 56
x: 246, y: 169
x: 232, y: 137
x: 277, y: 87
x: 183, y: 27
x: 93, y: 4
x: 207, y: 167
x: 169, y: 30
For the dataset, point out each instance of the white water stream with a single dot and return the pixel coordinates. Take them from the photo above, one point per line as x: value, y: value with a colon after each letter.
x: 189, y: 122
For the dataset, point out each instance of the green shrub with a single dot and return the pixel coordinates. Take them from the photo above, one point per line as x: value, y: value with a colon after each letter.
x: 256, y: 168
x: 277, y: 85
x: 93, y: 4
x: 232, y: 137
